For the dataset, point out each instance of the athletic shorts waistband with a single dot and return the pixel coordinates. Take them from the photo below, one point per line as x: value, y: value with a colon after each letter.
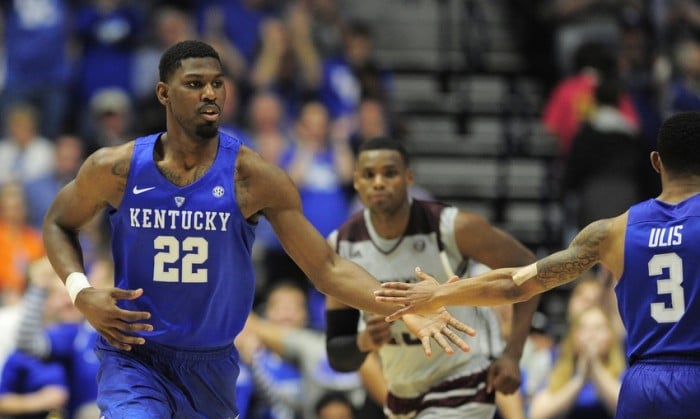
x: 667, y: 359
x: 151, y: 348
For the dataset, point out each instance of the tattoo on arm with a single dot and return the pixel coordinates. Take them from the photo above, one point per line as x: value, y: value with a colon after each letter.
x: 121, y: 168
x: 584, y: 251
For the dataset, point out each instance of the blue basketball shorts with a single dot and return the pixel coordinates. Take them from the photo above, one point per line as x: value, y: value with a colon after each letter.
x: 155, y: 381
x: 661, y: 388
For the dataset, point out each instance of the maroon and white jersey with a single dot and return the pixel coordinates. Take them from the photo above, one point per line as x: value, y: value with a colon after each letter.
x: 428, y: 242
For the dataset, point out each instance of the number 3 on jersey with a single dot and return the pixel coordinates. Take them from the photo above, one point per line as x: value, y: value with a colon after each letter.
x: 670, y: 285
x: 194, y: 251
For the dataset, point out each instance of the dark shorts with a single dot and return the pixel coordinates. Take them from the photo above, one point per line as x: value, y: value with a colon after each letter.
x: 154, y: 381
x: 661, y: 388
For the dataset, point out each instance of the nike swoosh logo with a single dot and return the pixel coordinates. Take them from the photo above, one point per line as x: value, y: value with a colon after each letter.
x: 137, y: 191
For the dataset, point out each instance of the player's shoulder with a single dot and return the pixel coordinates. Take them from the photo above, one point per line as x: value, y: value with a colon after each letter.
x: 353, y: 229
x: 261, y: 184
x: 114, y: 158
x: 249, y: 160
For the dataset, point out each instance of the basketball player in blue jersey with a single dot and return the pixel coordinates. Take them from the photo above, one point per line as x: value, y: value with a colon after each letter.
x: 652, y: 251
x: 183, y: 205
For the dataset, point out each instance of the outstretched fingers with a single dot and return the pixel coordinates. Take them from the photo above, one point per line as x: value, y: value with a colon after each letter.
x: 425, y: 341
x: 454, y: 338
x: 444, y: 344
x: 461, y: 327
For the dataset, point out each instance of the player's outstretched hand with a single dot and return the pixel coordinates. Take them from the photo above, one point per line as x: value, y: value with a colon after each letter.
x: 438, y: 326
x: 116, y: 325
x: 415, y: 298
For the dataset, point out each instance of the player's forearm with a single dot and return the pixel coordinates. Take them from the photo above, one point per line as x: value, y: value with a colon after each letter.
x: 493, y: 288
x: 62, y: 248
x: 355, y: 287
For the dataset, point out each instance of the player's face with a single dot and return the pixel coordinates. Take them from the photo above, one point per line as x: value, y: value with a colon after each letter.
x: 195, y: 95
x: 381, y: 180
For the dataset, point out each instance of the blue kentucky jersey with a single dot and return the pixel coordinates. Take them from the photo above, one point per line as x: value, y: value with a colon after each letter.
x: 188, y: 247
x: 659, y: 291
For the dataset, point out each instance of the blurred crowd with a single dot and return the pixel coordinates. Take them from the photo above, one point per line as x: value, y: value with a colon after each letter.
x: 305, y: 88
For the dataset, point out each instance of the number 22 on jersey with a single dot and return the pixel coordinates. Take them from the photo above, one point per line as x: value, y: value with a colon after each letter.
x: 191, y: 253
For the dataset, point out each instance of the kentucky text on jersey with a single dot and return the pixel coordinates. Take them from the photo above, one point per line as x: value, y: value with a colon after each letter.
x: 662, y: 237
x: 178, y: 219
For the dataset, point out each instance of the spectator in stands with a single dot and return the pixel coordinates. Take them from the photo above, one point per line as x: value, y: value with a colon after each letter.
x: 327, y: 26
x: 37, y: 384
x: 572, y: 100
x: 36, y: 46
x: 40, y: 192
x: 235, y: 29
x: 684, y: 90
x: 109, y: 32
x: 287, y: 63
x: 277, y: 378
x: 271, y: 138
x: 639, y: 63
x: 267, y: 127
x: 31, y: 388
x: 375, y: 80
x: 537, y: 360
x: 321, y: 168
x: 284, y: 332
x: 675, y: 21
x: 25, y: 155
x: 608, y: 167
x: 169, y: 26
x: 111, y: 119
x: 63, y: 336
x: 20, y: 243
x: 586, y: 378
x: 579, y: 22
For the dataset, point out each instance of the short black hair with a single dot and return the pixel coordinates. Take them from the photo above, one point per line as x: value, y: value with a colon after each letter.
x: 608, y: 91
x: 678, y: 143
x: 384, y: 143
x: 171, y: 59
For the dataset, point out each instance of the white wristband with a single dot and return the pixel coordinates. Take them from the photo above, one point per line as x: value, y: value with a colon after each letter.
x: 76, y: 282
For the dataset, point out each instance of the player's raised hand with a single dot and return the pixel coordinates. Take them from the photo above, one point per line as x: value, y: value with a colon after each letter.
x: 438, y: 326
x: 116, y: 325
x: 416, y: 298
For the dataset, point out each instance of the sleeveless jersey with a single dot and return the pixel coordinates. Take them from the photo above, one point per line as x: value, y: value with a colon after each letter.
x: 188, y: 247
x: 428, y: 242
x: 659, y: 291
